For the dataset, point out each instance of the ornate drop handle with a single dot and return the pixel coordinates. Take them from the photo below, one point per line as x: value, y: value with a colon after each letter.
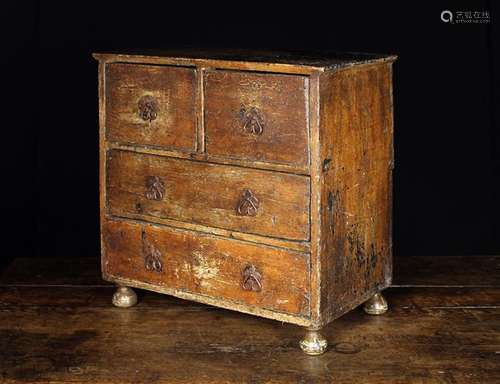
x: 155, y: 188
x: 248, y: 204
x: 148, y: 108
x: 252, y: 120
x: 152, y: 256
x: 251, y: 279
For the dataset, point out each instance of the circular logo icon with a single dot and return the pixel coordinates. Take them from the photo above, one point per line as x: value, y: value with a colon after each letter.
x: 447, y: 16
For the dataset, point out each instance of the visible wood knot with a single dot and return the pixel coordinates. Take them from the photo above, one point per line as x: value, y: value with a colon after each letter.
x: 331, y: 201
x: 326, y: 164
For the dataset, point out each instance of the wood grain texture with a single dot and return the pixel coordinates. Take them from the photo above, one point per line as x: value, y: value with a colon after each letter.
x: 207, y: 265
x: 68, y: 334
x: 280, y: 103
x: 298, y: 62
x: 174, y: 91
x: 316, y: 262
x: 328, y: 120
x: 203, y: 193
x: 460, y: 271
x: 210, y: 158
x: 356, y: 154
x: 102, y: 149
x: 301, y: 246
x: 409, y: 272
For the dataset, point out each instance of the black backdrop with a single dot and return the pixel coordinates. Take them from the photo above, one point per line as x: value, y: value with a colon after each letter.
x: 446, y: 180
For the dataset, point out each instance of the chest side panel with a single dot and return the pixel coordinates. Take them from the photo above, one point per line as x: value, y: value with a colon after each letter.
x: 356, y: 136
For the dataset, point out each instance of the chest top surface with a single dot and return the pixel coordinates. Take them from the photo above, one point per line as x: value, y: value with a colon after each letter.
x: 307, y: 60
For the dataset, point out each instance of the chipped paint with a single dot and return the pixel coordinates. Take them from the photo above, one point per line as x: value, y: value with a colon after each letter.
x: 280, y: 301
x: 203, y: 268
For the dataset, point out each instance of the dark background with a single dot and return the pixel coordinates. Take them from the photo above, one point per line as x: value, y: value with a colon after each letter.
x: 446, y: 180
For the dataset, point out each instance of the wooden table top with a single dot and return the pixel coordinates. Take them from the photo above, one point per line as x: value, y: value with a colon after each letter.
x: 57, y: 325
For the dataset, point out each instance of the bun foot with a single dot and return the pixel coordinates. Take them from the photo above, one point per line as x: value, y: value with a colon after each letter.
x: 124, y: 297
x: 313, y: 343
x: 376, y: 305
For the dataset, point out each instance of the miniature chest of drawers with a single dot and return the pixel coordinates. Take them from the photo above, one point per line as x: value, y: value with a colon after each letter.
x: 255, y: 182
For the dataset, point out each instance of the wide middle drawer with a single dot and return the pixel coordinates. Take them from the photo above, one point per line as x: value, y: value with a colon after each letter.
x: 246, y: 200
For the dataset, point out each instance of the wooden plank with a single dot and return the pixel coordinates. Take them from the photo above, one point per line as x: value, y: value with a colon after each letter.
x: 419, y: 271
x: 53, y: 271
x: 416, y: 299
x: 209, y: 158
x: 269, y: 61
x: 200, y: 110
x: 79, y: 338
x: 209, y: 63
x: 318, y: 272
x: 301, y: 246
x: 356, y: 155
x: 469, y: 271
x: 207, y: 268
x: 102, y: 149
x: 202, y: 193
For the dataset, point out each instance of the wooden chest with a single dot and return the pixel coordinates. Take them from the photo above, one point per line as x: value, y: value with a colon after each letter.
x: 255, y: 182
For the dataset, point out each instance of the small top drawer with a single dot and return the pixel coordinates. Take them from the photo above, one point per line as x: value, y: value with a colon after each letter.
x: 151, y: 105
x: 257, y: 117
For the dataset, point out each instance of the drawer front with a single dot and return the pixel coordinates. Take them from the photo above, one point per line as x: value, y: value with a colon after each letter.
x: 151, y: 105
x: 257, y: 117
x: 265, y: 277
x: 234, y: 198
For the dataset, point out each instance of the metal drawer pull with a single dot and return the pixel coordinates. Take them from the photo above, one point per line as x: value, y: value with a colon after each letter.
x: 152, y: 255
x: 252, y: 120
x: 155, y: 188
x: 148, y: 108
x: 248, y: 204
x: 252, y: 279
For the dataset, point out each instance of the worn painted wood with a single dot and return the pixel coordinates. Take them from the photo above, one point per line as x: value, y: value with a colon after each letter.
x: 409, y: 272
x: 208, y: 194
x: 356, y: 159
x: 67, y: 333
x: 288, y: 168
x: 301, y: 246
x: 206, y: 265
x: 295, y: 62
x: 102, y: 150
x: 321, y: 125
x: 172, y: 89
x: 316, y: 262
x: 277, y: 103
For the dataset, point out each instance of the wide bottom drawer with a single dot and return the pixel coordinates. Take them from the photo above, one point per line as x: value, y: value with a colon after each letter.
x: 260, y: 276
